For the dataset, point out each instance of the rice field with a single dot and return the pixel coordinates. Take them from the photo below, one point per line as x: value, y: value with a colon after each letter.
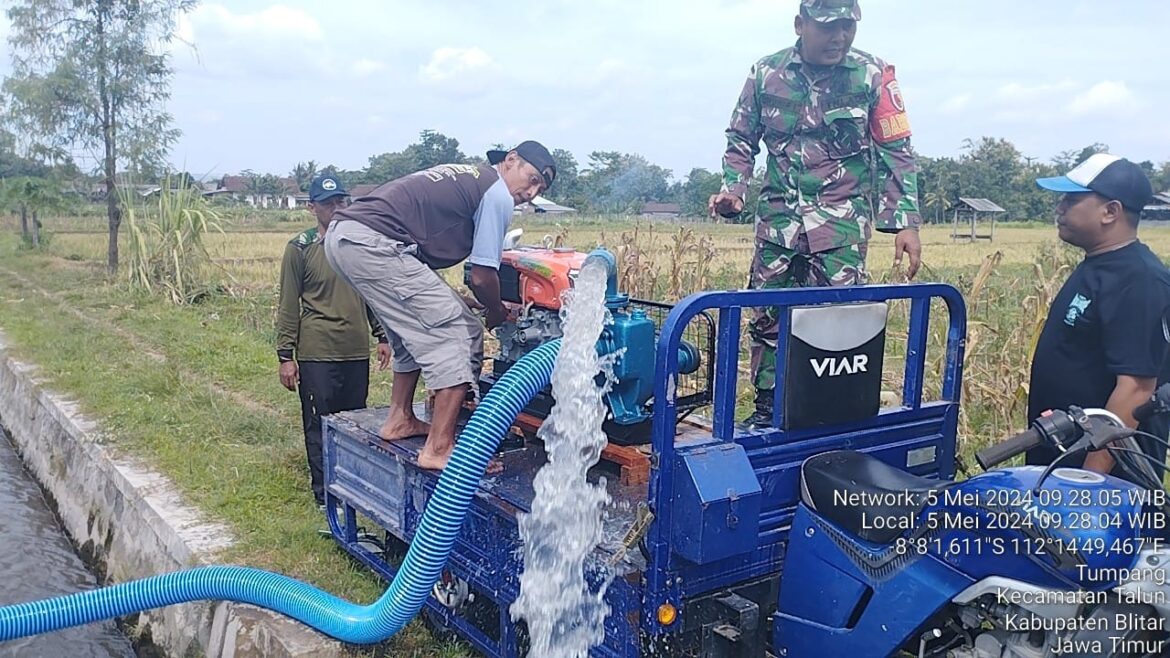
x: 251, y: 258
x: 1007, y: 284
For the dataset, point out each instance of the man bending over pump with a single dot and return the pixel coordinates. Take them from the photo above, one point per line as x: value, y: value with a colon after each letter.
x: 388, y: 245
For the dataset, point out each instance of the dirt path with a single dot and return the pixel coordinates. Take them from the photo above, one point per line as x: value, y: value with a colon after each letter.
x: 143, y: 346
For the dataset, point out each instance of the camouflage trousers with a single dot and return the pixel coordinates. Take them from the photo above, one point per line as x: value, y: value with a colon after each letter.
x: 776, y: 266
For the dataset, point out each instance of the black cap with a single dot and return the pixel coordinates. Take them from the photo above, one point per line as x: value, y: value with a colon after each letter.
x: 535, y: 154
x: 1113, y: 177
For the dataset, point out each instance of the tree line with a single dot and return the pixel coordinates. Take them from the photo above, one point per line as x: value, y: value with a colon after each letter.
x: 613, y: 182
x: 994, y: 169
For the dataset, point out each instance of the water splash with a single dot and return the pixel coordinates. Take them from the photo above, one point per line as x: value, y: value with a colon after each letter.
x: 565, y: 616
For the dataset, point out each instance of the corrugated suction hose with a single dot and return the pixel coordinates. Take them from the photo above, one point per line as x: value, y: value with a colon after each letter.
x: 328, y: 614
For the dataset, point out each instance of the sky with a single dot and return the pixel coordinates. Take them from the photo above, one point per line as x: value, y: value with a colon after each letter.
x: 265, y: 85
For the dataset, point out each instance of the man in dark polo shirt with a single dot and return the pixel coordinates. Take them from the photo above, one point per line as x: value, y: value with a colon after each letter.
x: 1105, y: 341
x: 388, y: 245
x: 321, y: 325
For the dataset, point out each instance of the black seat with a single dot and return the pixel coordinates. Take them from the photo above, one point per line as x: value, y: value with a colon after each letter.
x: 864, y: 495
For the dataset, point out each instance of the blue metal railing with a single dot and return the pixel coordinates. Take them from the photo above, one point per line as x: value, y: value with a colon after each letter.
x: 664, y: 584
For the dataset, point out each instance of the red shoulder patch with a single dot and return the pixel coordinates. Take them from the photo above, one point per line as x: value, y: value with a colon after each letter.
x: 888, y: 121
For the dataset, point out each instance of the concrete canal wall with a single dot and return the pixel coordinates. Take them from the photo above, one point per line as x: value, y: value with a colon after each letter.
x: 129, y: 522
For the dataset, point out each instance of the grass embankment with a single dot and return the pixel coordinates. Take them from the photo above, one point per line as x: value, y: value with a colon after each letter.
x: 193, y: 391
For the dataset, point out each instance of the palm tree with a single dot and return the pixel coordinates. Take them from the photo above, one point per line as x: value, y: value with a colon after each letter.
x: 937, y: 200
x: 304, y: 173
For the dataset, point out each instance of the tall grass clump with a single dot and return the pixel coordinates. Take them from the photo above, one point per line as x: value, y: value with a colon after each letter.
x: 167, y: 251
x: 1007, y: 307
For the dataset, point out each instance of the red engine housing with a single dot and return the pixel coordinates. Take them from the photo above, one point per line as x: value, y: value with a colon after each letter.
x: 537, y: 276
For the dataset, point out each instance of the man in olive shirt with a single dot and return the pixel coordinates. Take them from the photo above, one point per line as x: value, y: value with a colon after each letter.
x: 321, y: 329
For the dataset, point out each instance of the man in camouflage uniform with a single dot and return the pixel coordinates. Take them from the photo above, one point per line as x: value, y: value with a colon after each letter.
x: 839, y: 164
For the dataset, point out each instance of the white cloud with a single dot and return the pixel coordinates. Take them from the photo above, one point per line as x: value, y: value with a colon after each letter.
x: 1103, y: 98
x: 1044, y: 103
x: 208, y: 116
x: 364, y: 67
x: 459, y: 71
x: 956, y: 104
x: 275, y: 21
x: 611, y: 72
x: 1027, y: 104
x: 609, y: 68
x: 1016, y: 92
x: 274, y: 41
x: 448, y: 64
x: 1041, y: 114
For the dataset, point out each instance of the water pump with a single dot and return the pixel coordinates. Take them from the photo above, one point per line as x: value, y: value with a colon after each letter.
x: 533, y: 279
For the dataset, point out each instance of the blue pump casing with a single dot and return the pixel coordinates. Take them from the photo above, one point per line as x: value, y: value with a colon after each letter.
x: 633, y: 336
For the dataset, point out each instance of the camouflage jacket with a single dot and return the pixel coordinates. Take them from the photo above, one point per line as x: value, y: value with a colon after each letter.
x: 828, y: 175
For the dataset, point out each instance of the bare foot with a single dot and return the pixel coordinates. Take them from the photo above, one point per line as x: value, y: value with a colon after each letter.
x: 434, y: 461
x: 398, y: 428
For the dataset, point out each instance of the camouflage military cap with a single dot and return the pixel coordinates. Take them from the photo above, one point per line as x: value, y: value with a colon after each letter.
x: 824, y: 11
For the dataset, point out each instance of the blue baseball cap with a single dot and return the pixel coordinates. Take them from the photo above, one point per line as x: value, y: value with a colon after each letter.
x: 324, y: 187
x: 1111, y: 176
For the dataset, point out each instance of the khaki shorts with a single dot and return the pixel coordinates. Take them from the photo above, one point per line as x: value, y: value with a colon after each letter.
x: 428, y: 325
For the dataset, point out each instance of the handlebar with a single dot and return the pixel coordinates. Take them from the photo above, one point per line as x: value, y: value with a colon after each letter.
x: 1062, y: 430
x: 1072, y: 432
x: 1017, y: 445
x: 1158, y: 403
x: 1079, y: 431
